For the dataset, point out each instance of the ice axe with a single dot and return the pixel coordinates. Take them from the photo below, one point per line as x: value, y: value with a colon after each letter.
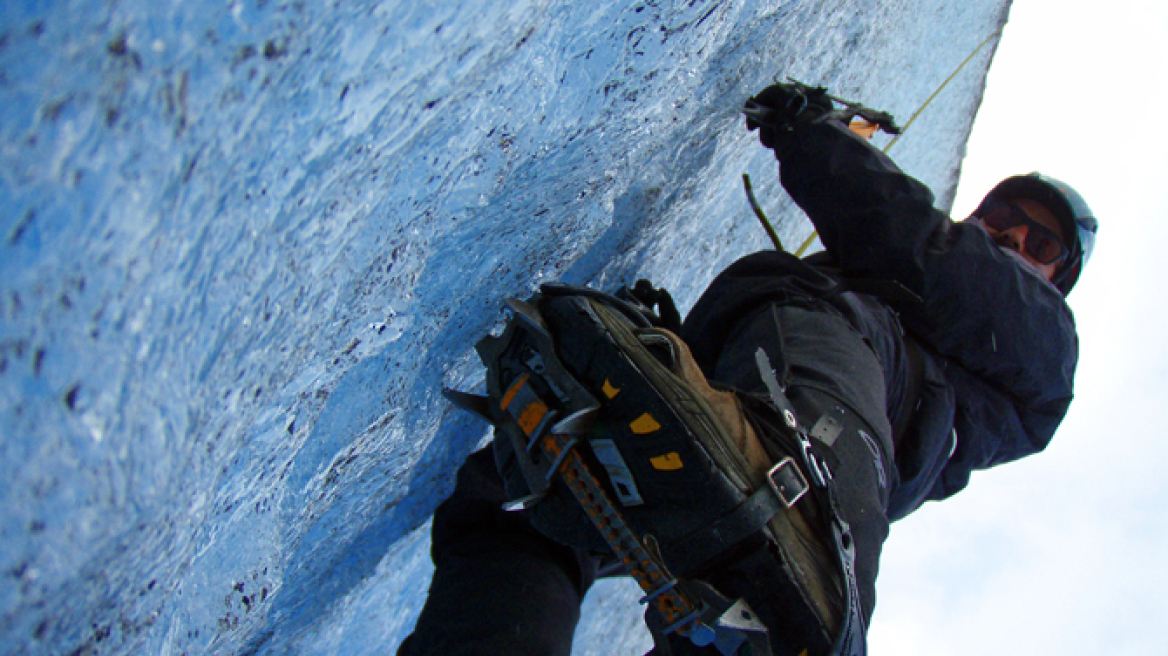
x: 864, y: 122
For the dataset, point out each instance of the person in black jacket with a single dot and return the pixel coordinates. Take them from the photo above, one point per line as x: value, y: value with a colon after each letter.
x: 912, y: 352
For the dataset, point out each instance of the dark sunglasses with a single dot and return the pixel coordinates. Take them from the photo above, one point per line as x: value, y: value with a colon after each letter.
x: 1042, y: 244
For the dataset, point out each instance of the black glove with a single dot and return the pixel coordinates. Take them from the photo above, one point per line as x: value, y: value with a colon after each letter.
x: 648, y: 297
x: 782, y: 107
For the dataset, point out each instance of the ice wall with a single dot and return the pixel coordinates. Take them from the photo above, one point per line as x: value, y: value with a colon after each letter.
x: 243, y: 244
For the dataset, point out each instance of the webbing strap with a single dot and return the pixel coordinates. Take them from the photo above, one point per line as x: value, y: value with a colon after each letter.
x: 914, y: 381
x: 850, y: 639
x: 784, y: 487
x: 850, y: 636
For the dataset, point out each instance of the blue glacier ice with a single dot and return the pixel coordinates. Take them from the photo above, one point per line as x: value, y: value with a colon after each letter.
x: 243, y: 244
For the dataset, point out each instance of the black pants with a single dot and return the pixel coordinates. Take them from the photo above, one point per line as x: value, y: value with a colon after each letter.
x: 500, y: 587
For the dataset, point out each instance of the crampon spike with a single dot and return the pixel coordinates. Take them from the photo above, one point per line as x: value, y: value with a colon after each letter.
x: 527, y: 311
x: 577, y: 423
x: 480, y: 405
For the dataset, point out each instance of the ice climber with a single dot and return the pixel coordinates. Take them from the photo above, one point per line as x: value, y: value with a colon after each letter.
x: 759, y: 451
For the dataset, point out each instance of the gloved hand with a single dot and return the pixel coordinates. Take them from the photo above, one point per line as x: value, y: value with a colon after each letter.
x: 781, y: 107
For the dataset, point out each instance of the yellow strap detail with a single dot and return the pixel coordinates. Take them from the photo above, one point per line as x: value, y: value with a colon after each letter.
x: 645, y: 424
x: 609, y: 390
x: 513, y: 390
x: 531, y: 416
x: 669, y: 462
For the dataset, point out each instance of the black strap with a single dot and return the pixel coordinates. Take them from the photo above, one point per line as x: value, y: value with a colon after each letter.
x: 651, y: 298
x: 633, y: 313
x: 715, y: 538
x: 850, y: 636
x: 912, y: 391
x: 793, y: 626
x: 884, y: 289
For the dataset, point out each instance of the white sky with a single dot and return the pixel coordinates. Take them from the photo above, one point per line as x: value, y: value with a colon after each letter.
x: 1065, y: 552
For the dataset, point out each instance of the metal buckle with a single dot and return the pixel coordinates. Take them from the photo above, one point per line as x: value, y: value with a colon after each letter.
x: 787, y: 481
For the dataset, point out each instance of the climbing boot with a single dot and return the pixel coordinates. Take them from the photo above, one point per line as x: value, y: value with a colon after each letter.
x: 610, y: 438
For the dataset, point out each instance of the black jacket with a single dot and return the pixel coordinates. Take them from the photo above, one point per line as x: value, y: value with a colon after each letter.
x: 998, y: 341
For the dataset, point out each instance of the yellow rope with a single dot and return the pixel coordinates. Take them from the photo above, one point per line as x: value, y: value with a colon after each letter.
x: 806, y: 243
x: 762, y: 217
x: 943, y: 85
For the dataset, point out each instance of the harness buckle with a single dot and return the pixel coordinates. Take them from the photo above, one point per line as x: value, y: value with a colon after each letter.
x: 787, y: 481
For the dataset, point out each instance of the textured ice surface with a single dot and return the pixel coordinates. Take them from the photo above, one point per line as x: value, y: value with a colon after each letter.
x: 244, y: 243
